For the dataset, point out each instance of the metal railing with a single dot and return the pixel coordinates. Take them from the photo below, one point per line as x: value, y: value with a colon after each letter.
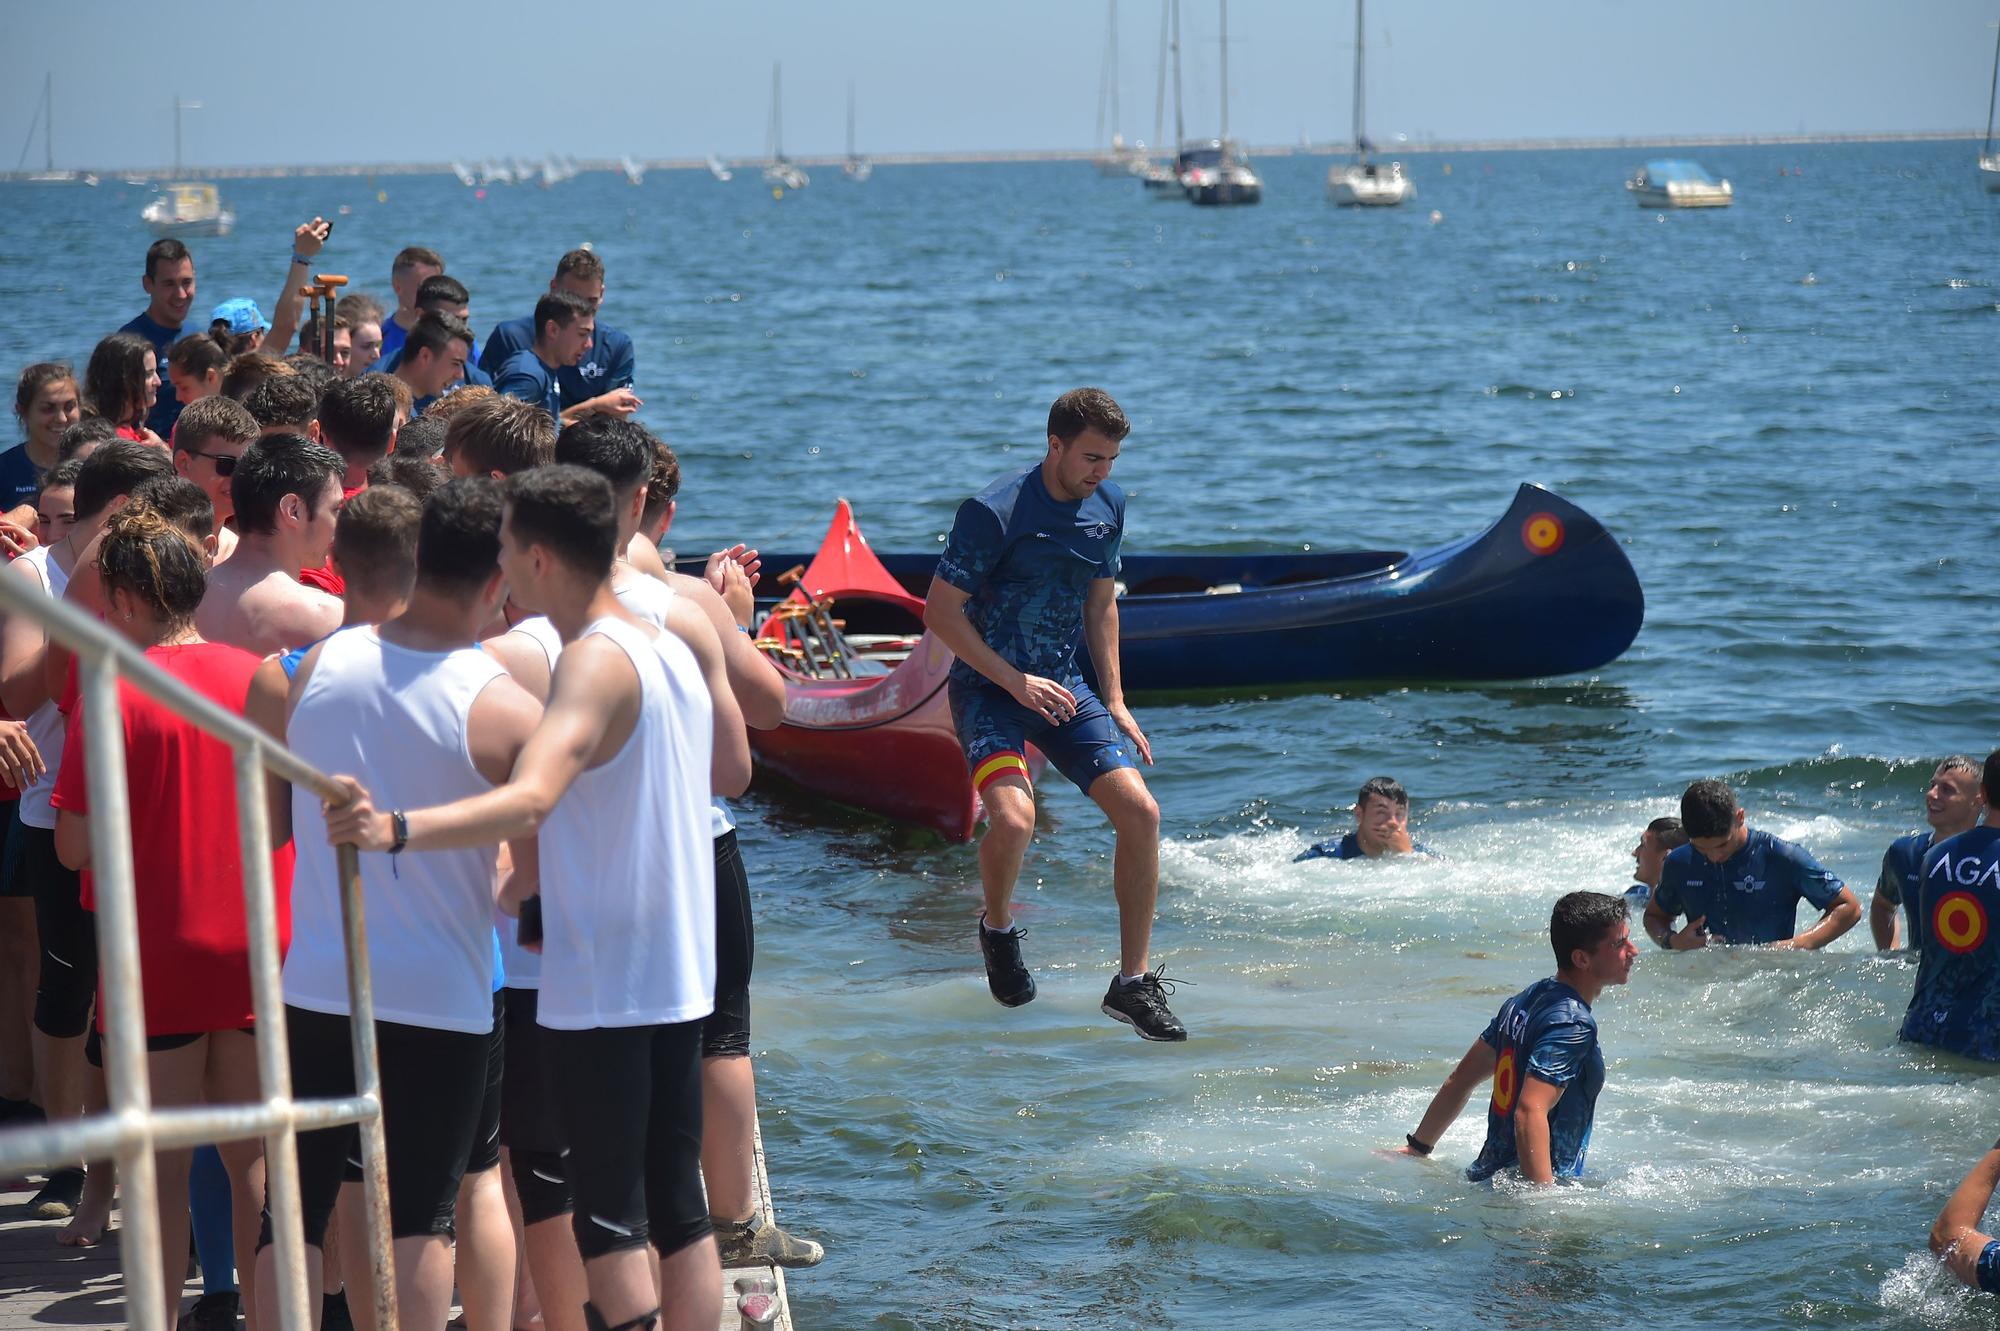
x: 132, y: 1130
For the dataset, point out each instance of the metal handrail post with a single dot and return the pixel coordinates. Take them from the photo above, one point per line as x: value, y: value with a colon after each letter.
x: 274, y: 1067
x: 368, y: 1083
x: 124, y: 1015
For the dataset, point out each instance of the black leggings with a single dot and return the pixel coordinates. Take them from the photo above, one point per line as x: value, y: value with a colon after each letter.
x: 68, y: 935
x: 725, y: 1033
x: 432, y: 1086
x: 486, y: 1140
x: 631, y: 1109
x: 529, y: 1126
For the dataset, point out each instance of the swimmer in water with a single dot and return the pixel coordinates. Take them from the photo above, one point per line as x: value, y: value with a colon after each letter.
x: 1661, y: 836
x: 1970, y: 1255
x: 1952, y: 804
x: 1541, y: 1053
x: 1381, y: 827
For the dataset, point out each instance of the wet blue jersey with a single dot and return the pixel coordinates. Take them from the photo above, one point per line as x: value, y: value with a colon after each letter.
x: 1027, y: 560
x: 607, y: 365
x: 1956, y: 1006
x: 1751, y: 897
x: 1901, y: 865
x: 1348, y: 848
x: 1545, y: 1031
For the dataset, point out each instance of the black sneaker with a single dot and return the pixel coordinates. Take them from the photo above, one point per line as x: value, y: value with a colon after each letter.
x: 1006, y: 974
x: 1142, y: 1005
x: 213, y: 1312
x: 58, y: 1198
x: 757, y: 1240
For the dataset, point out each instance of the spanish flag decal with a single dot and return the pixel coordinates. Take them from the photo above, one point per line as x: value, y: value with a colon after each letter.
x: 1959, y: 922
x: 1506, y: 1081
x: 1004, y: 763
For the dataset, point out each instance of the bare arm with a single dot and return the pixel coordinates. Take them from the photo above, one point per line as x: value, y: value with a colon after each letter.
x: 1956, y: 1237
x: 944, y: 616
x: 756, y: 683
x: 524, y: 660
x: 1842, y: 915
x: 729, y: 753
x: 1882, y: 921
x: 1445, y: 1107
x: 23, y: 686
x: 1100, y: 633
x: 1531, y: 1128
x: 288, y: 313
x: 1660, y: 927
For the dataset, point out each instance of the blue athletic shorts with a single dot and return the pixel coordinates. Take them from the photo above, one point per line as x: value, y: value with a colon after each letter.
x: 995, y: 732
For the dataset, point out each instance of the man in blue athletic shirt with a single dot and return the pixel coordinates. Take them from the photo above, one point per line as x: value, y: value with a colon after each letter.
x: 1971, y: 1256
x: 433, y: 359
x: 601, y: 383
x: 1952, y: 804
x: 1028, y: 573
x: 169, y: 284
x: 564, y: 325
x: 407, y: 274
x: 1541, y: 1053
x: 1735, y: 884
x: 1381, y: 827
x: 1956, y: 1006
x: 1661, y: 838
x: 438, y: 295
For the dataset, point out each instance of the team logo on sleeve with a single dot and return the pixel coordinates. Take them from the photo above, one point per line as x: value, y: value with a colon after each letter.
x: 1506, y: 1082
x: 1958, y: 922
x: 1097, y: 531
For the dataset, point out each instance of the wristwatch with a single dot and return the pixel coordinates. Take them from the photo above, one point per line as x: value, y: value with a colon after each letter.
x: 401, y: 826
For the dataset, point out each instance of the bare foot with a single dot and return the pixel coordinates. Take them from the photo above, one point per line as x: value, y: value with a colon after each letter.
x: 93, y: 1212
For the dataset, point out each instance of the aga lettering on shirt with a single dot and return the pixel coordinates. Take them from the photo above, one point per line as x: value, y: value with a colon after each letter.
x: 1956, y: 1005
x: 1751, y: 897
x: 1546, y: 1031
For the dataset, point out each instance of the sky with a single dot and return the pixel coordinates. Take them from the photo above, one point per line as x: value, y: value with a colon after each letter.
x: 669, y: 79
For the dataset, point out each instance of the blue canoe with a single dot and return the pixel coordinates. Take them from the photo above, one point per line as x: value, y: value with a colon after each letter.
x: 1544, y: 591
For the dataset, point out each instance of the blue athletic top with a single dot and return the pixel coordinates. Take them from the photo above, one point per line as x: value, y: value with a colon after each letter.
x: 1989, y: 1267
x: 20, y: 478
x: 1348, y: 848
x: 607, y: 365
x: 1027, y: 562
x: 1956, y: 1006
x: 166, y: 407
x: 1546, y: 1030
x: 523, y: 375
x: 1753, y: 896
x: 1901, y: 865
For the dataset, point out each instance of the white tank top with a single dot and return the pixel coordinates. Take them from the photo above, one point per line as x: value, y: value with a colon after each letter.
x: 45, y: 725
x: 628, y: 875
x: 647, y: 597
x: 395, y: 718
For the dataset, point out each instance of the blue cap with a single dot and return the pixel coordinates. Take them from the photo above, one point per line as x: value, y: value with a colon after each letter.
x: 242, y: 316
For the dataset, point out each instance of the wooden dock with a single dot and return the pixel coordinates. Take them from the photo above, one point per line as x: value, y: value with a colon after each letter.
x: 44, y: 1286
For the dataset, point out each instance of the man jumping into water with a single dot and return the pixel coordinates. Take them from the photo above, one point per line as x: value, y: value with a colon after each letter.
x: 1028, y: 573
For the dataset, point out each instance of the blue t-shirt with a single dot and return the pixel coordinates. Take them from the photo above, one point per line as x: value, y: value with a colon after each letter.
x: 523, y: 375
x: 1348, y: 848
x: 607, y: 365
x: 393, y: 336
x: 1637, y: 895
x: 166, y: 407
x: 1956, y: 1006
x: 1898, y: 885
x: 1751, y: 897
x: 1546, y: 1031
x: 1027, y: 560
x: 20, y: 478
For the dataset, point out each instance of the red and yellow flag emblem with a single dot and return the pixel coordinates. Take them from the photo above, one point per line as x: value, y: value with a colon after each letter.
x: 1958, y: 922
x: 1542, y: 533
x: 1506, y: 1082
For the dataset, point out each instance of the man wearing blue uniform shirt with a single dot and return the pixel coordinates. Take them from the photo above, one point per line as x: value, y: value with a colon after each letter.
x: 169, y: 284
x: 601, y: 383
x: 1541, y: 1053
x: 1956, y: 1006
x: 1661, y: 838
x: 1028, y: 573
x: 1952, y: 804
x: 564, y: 324
x: 1381, y: 827
x: 438, y: 295
x: 1738, y: 885
x: 413, y: 266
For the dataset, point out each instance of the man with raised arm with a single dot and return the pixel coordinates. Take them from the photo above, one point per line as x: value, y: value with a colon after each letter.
x: 615, y: 781
x: 1028, y: 574
x: 1541, y: 1053
x: 286, y: 489
x: 1735, y: 884
x: 1952, y: 804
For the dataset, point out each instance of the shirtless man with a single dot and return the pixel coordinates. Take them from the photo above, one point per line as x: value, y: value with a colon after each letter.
x: 286, y: 490
x: 210, y: 438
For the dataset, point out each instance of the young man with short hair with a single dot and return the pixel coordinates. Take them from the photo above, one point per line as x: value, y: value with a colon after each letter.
x: 283, y: 404
x: 1029, y: 575
x: 1541, y: 1053
x: 601, y: 383
x: 412, y: 266
x: 286, y: 490
x: 210, y: 438
x: 1735, y: 884
x: 1660, y: 838
x: 1952, y: 804
x: 563, y: 328
x: 1958, y: 971
x: 169, y: 283
x: 441, y: 295
x: 357, y: 419
x: 498, y: 436
x: 433, y: 358
x: 1381, y: 826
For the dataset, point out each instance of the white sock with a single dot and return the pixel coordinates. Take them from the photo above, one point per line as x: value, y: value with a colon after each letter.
x: 993, y: 928
x: 1132, y: 979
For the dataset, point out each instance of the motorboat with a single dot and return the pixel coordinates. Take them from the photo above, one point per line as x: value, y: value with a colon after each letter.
x: 1677, y: 183
x: 1218, y: 174
x: 188, y: 208
x: 1364, y: 183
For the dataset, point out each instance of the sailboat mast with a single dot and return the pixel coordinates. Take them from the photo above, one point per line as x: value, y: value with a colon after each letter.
x: 1117, y: 121
x: 1360, y: 67
x: 49, y: 120
x: 1180, y: 130
x: 850, y: 120
x: 777, y: 116
x: 1225, y: 74
x: 1992, y: 89
x: 1160, y: 88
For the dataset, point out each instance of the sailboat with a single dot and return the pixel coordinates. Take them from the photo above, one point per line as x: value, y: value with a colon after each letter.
x: 1218, y: 174
x: 187, y: 207
x: 48, y: 175
x: 635, y: 171
x: 720, y: 171
x: 1989, y: 161
x: 780, y: 173
x: 464, y: 174
x: 1159, y: 178
x: 1364, y: 183
x: 1117, y: 160
x: 856, y: 168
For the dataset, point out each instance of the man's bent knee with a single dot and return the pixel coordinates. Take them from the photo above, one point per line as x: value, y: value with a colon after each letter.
x: 1010, y: 810
x: 1126, y: 801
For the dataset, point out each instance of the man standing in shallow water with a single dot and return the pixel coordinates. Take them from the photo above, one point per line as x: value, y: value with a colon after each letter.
x: 1952, y: 804
x: 1030, y: 571
x: 1541, y: 1052
x: 1381, y: 827
x: 1958, y: 974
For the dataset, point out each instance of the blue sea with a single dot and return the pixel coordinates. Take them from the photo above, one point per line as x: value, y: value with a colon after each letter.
x: 1788, y: 413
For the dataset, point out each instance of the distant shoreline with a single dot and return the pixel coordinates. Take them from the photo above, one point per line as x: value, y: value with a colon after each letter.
x: 1411, y: 148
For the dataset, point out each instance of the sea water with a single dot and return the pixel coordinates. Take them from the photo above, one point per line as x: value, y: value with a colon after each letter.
x: 1786, y: 412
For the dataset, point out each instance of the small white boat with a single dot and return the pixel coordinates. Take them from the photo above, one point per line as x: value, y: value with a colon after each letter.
x: 1674, y: 183
x: 856, y: 168
x: 779, y: 173
x: 718, y: 170
x: 464, y: 174
x: 634, y: 173
x: 188, y: 208
x: 1362, y: 183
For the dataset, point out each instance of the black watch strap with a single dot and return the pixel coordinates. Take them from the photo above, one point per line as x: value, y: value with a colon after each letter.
x: 401, y: 826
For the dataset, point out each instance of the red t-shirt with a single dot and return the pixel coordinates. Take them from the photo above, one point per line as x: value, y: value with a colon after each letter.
x: 325, y: 577
x: 187, y: 863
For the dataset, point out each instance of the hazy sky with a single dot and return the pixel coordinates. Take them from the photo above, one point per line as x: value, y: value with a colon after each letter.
x: 676, y: 79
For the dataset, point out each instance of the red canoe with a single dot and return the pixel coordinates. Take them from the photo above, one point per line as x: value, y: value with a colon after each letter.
x: 867, y: 722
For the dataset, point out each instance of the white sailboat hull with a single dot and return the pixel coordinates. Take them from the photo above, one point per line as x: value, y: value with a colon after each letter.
x: 1989, y: 172
x: 1365, y: 187
x: 1682, y: 194
x: 786, y: 176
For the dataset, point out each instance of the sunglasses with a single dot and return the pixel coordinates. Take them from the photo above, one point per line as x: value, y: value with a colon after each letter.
x: 225, y: 463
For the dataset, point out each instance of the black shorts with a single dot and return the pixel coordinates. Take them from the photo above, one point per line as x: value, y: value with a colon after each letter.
x: 433, y: 1084
x: 631, y: 1107
x: 67, y: 932
x: 725, y: 1032
x: 530, y: 1127
x: 12, y: 884
x: 93, y: 1044
x: 486, y: 1140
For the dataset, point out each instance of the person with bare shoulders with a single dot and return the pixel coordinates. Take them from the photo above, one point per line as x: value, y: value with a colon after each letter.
x: 615, y: 782
x: 210, y: 438
x: 286, y: 490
